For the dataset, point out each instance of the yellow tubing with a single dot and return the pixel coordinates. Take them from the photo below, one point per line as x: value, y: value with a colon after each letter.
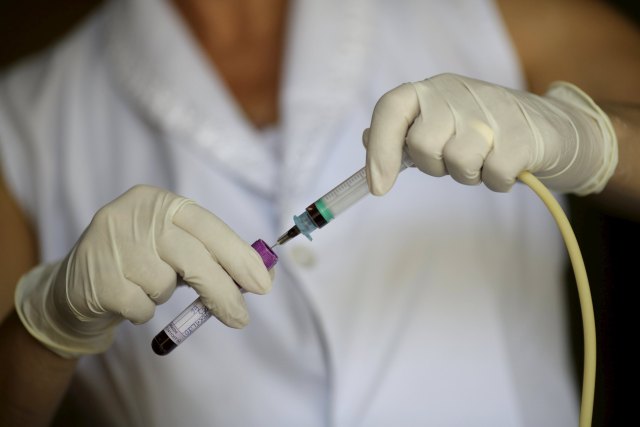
x: 584, y: 293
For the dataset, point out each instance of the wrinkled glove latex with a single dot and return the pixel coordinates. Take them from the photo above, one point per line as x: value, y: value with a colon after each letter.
x: 480, y: 132
x: 127, y: 261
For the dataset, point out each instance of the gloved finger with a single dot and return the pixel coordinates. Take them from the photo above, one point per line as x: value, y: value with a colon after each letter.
x: 503, y: 165
x: 236, y: 256
x: 391, y: 118
x: 430, y: 131
x: 155, y: 276
x: 512, y: 150
x: 193, y: 262
x: 465, y: 154
x: 126, y: 299
x: 365, y: 138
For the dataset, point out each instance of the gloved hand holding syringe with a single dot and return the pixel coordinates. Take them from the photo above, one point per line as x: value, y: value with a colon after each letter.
x: 316, y: 215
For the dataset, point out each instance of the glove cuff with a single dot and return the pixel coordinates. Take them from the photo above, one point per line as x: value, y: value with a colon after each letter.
x: 607, y: 154
x: 42, y: 316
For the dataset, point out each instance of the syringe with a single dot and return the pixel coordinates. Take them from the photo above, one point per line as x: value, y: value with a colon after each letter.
x: 317, y: 215
x: 326, y: 208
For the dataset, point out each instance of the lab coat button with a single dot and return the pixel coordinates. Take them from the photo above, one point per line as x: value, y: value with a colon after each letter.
x: 303, y: 256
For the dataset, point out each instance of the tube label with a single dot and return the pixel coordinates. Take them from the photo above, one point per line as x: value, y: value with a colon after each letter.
x: 187, y: 321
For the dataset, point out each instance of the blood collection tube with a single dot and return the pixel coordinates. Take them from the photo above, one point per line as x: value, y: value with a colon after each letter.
x: 197, y: 313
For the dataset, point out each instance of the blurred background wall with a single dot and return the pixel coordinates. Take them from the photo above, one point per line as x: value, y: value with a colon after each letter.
x: 28, y: 26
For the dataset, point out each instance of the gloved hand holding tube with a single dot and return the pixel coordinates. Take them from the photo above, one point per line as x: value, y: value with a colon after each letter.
x: 127, y: 261
x: 480, y: 132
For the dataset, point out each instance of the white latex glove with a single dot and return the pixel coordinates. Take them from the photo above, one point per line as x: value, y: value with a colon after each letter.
x: 126, y: 262
x: 476, y: 131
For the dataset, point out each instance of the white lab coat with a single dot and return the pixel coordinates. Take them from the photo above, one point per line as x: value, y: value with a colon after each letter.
x: 438, y: 304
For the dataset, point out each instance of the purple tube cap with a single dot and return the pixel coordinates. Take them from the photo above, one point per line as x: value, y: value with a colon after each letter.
x: 268, y: 256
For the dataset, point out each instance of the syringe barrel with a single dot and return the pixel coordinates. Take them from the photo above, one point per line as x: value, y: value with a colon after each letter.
x: 346, y: 193
x: 353, y: 189
x: 194, y: 316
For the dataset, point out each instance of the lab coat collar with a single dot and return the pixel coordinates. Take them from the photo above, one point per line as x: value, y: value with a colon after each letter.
x: 154, y: 59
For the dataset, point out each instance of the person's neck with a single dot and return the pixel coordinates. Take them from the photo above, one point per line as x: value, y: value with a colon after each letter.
x: 244, y: 41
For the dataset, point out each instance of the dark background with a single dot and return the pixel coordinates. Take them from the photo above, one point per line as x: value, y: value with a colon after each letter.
x: 27, y: 26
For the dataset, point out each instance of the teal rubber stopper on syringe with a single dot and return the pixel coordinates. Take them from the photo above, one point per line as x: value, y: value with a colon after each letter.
x: 305, y: 222
x: 324, y: 210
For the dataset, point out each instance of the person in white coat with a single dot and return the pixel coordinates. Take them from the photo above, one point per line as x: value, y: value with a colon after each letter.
x: 159, y: 138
